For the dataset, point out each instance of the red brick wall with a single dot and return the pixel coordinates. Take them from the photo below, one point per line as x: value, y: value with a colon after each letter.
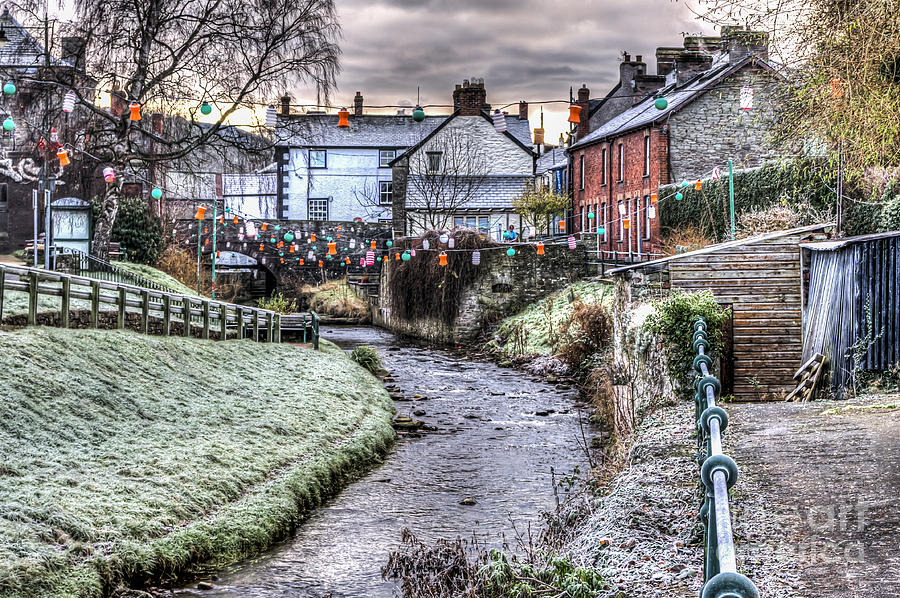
x: 632, y: 189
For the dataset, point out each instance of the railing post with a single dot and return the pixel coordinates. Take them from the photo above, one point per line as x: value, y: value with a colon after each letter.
x: 223, y: 320
x: 123, y: 302
x: 64, y: 302
x: 186, y: 316
x: 145, y: 311
x: 2, y: 289
x: 269, y: 335
x: 277, y: 328
x: 95, y: 303
x: 256, y: 325
x: 32, y: 297
x: 239, y: 316
x: 205, y: 334
x: 167, y: 314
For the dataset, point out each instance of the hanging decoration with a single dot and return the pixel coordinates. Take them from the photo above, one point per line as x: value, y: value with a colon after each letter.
x: 321, y: 264
x: 626, y: 222
x: 412, y: 252
x: 418, y: 114
x: 378, y: 259
x: 372, y: 244
x: 621, y: 209
x: 352, y: 243
x: 273, y: 240
x: 135, y: 109
x: 201, y: 213
x: 476, y: 257
x: 591, y: 215
x: 571, y: 242
x: 370, y: 258
x: 698, y: 185
x: 653, y: 198
x: 156, y: 193
x: 289, y: 236
x: 346, y: 261
x: 293, y: 248
x: 602, y: 231
x: 271, y: 117
x: 540, y: 248
x: 684, y: 183
x: 425, y: 244
x: 510, y: 252
x: 63, y: 156
x: 9, y: 124
x: 343, y: 118
x: 574, y: 113
x: 235, y: 219
x: 396, y: 257
x: 311, y: 255
x: 746, y: 98
x: 405, y: 256
x: 265, y: 226
x: 390, y: 243
x: 837, y: 88
x: 205, y: 108
x: 661, y: 103
x: 68, y: 104
x: 312, y: 237
x: 332, y: 248
x: 442, y: 259
x: 562, y: 226
x: 109, y: 175
x: 651, y: 212
x: 679, y: 196
x: 451, y: 243
x: 250, y: 229
x: 9, y: 88
x: 444, y: 238
x: 499, y: 121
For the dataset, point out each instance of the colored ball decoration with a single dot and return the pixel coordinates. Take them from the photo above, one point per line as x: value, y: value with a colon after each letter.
x: 378, y: 258
x: 9, y: 124
x: 156, y: 193
x: 418, y: 114
x: 328, y: 239
x: 684, y: 183
x: 272, y: 239
x: 9, y: 88
x: 679, y: 196
x: 405, y: 256
x: 390, y: 243
x: 510, y: 252
x: 444, y: 238
x: 601, y: 230
x: 277, y: 227
x: 289, y: 236
x: 661, y: 103
x: 205, y: 109
x: 591, y: 215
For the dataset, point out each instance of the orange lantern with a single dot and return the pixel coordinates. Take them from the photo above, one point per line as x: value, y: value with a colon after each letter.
x: 301, y: 261
x: 218, y: 253
x: 442, y: 259
x: 343, y: 118
x: 206, y: 242
x: 205, y: 230
x: 339, y: 234
x: 135, y: 110
x: 654, y: 198
x: 221, y: 219
x: 574, y: 113
x: 698, y: 185
x: 562, y: 225
x: 340, y: 227
x: 626, y: 222
x: 63, y: 156
x: 265, y: 226
x: 372, y: 244
x: 235, y: 219
x: 282, y: 260
x: 292, y: 248
x: 321, y: 263
x: 837, y: 88
x: 396, y: 257
x: 540, y: 249
x: 201, y: 212
x: 312, y: 237
x: 261, y: 246
x: 280, y: 244
x: 332, y: 248
x: 347, y: 260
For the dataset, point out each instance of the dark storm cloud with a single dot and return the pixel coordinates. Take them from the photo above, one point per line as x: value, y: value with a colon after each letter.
x: 524, y: 49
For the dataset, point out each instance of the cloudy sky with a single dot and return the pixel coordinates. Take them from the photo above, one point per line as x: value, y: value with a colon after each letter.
x: 523, y: 49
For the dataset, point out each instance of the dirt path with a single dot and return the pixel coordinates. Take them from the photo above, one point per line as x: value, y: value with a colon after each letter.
x: 816, y: 508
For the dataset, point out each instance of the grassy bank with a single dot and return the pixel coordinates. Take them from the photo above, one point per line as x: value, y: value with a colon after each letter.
x: 539, y: 328
x: 158, y: 276
x: 127, y: 458
x: 335, y: 298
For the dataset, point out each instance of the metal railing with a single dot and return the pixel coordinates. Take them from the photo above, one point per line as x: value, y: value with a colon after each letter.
x: 719, y: 473
x: 213, y: 318
x: 84, y: 264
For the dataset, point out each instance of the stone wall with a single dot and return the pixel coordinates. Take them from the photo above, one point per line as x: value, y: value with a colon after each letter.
x: 504, y: 286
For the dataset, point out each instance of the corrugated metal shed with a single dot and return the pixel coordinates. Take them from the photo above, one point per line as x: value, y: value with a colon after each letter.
x: 853, y: 311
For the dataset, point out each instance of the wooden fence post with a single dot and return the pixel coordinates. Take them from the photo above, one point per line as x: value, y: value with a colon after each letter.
x: 205, y: 334
x: 277, y: 329
x: 240, y: 322
x: 145, y: 311
x: 223, y: 321
x: 256, y: 325
x: 123, y: 303
x: 95, y: 303
x: 269, y: 327
x: 64, y: 302
x: 167, y: 314
x: 32, y: 298
x: 2, y: 289
x: 186, y: 316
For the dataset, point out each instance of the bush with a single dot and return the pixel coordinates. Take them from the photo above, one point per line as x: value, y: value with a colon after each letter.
x: 585, y: 333
x: 673, y: 320
x: 279, y: 304
x: 368, y: 358
x: 136, y: 229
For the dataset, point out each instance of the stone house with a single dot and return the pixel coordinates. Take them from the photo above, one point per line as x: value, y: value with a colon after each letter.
x: 618, y: 168
x: 326, y: 172
x: 467, y: 172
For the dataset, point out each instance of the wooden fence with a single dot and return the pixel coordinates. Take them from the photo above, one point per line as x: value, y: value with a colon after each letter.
x: 193, y: 312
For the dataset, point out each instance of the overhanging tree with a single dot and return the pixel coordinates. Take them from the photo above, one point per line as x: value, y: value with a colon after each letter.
x: 538, y: 206
x: 169, y: 56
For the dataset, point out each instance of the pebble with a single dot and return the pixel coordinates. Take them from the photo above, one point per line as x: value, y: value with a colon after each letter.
x: 205, y: 585
x: 468, y: 501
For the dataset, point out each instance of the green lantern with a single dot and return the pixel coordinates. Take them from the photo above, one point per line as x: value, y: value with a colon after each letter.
x: 205, y: 109
x: 684, y: 183
x: 8, y: 124
x: 289, y: 236
x: 679, y: 196
x: 272, y: 240
x: 327, y: 257
x: 591, y: 215
x: 328, y: 239
x: 390, y: 243
x: 313, y: 247
x: 405, y: 256
x: 280, y: 254
x: 277, y: 227
x: 9, y: 88
x: 601, y: 230
x: 661, y: 103
x: 418, y: 114
x: 156, y: 193
x: 378, y: 258
x: 510, y: 252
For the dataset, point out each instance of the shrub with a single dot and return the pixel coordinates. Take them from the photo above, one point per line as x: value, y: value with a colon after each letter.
x: 585, y: 333
x: 136, y: 229
x: 687, y: 238
x: 368, y: 358
x: 673, y: 320
x: 279, y: 304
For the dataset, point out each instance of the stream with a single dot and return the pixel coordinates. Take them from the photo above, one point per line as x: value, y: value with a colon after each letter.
x: 500, y: 432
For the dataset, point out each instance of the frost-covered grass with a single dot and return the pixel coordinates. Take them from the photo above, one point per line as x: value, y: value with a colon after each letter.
x: 126, y: 458
x: 158, y: 276
x: 533, y: 330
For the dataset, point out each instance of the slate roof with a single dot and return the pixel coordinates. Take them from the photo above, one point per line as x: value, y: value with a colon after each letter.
x: 370, y: 130
x: 644, y: 112
x: 495, y: 193
x: 23, y: 51
x: 552, y: 160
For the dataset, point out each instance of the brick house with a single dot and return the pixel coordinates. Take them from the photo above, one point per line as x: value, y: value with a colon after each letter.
x: 620, y: 165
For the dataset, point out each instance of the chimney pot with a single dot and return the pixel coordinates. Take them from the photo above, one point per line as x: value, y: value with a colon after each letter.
x: 523, y: 110
x: 285, y: 105
x: 626, y: 57
x: 470, y: 99
x: 358, y: 104
x: 638, y: 58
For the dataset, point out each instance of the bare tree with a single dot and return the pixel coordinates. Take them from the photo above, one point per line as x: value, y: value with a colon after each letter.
x: 445, y: 175
x: 169, y: 56
x: 538, y: 205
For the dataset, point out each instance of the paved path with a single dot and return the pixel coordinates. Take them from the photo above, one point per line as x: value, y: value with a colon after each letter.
x: 823, y: 483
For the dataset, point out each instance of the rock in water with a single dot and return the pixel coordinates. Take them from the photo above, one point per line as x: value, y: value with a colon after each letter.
x: 468, y: 501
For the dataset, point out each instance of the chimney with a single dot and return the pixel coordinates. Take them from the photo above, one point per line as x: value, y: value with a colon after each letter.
x: 118, y: 103
x: 689, y: 64
x: 584, y: 100
x: 523, y: 110
x: 73, y: 50
x: 665, y: 60
x: 703, y: 44
x: 156, y: 120
x: 358, y: 105
x: 740, y: 43
x: 470, y: 98
x: 628, y: 70
x: 285, y: 105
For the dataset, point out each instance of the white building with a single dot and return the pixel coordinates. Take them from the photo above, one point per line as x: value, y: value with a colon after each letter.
x: 326, y: 172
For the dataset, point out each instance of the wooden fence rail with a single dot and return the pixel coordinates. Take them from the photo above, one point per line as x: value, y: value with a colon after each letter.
x: 193, y: 312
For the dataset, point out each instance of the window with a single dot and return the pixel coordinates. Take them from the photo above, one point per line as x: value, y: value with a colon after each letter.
x: 604, y: 219
x: 385, y: 192
x: 581, y: 172
x: 621, y: 172
x: 482, y: 223
x: 317, y: 158
x: 604, y: 167
x: 581, y: 209
x: 622, y: 214
x: 647, y: 155
x: 647, y: 218
x: 318, y: 209
x: 433, y: 161
x: 385, y: 157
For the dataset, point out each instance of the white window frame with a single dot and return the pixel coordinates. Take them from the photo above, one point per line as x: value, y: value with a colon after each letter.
x: 646, y: 155
x: 312, y: 212
x: 621, y: 221
x: 605, y: 172
x: 647, y: 218
x: 385, y: 188
x: 621, y: 172
x: 604, y: 207
x: 324, y: 158
x: 581, y: 173
x: 433, y: 162
x: 385, y: 156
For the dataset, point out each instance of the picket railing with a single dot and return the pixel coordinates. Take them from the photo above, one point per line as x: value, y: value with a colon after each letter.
x: 213, y: 318
x: 719, y: 473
